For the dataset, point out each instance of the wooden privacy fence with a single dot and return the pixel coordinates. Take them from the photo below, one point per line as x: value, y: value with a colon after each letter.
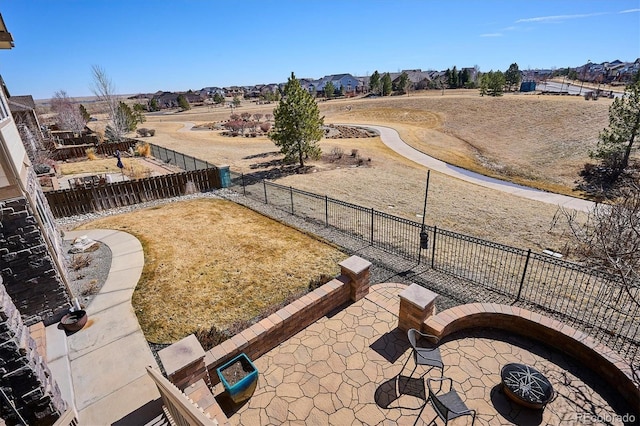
x: 70, y: 202
x: 79, y: 151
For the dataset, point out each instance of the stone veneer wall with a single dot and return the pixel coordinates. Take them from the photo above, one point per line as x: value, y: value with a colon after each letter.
x: 29, y: 271
x: 24, y: 376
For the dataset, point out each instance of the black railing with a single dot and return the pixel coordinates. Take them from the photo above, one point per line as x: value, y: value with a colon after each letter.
x: 185, y: 162
x: 596, y: 303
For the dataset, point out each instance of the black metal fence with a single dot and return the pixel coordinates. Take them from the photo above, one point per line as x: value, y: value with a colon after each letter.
x: 597, y: 303
x: 185, y: 162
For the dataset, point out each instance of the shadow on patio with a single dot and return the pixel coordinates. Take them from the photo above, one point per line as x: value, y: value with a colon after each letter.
x: 344, y: 369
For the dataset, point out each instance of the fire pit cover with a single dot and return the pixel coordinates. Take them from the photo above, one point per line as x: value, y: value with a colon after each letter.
x: 526, y: 386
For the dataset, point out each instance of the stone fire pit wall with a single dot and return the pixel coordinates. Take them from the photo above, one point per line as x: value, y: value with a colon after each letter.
x: 351, y: 285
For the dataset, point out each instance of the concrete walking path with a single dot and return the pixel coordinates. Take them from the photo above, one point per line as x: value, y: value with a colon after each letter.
x: 391, y: 138
x: 107, y: 358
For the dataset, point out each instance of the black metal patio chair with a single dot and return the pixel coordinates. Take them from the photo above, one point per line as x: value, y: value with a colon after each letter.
x: 447, y: 404
x: 424, y: 354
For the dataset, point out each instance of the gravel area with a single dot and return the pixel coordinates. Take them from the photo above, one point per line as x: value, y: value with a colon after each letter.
x: 91, y: 273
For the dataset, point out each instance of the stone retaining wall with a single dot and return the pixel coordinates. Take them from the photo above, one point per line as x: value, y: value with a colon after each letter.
x: 24, y: 376
x: 29, y: 270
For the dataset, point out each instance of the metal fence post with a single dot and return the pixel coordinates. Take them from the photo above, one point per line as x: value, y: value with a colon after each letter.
x: 326, y: 210
x: 372, y: 213
x: 291, y: 195
x: 244, y: 191
x: 433, y: 249
x: 195, y: 164
x: 524, y: 274
x: 264, y: 184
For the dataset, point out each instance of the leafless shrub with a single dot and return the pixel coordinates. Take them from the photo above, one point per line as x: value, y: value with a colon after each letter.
x: 80, y: 261
x: 337, y: 152
x: 90, y: 288
x: 609, y: 239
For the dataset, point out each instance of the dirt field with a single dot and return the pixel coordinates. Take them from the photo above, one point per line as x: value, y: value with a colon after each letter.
x: 529, y: 138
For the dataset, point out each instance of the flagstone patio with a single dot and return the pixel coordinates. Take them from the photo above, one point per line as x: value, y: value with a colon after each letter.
x: 344, y: 369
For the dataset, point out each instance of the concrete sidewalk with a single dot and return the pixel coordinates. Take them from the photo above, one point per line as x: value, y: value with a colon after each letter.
x: 391, y: 138
x: 106, y: 360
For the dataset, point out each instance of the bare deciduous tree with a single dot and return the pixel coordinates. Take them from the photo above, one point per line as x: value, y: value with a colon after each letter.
x: 68, y: 114
x: 105, y: 90
x: 609, y: 240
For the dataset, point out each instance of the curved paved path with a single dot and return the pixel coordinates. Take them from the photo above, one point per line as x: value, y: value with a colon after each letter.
x: 391, y: 138
x: 109, y: 355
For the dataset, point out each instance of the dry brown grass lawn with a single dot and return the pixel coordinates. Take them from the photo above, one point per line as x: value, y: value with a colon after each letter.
x: 99, y: 166
x: 517, y: 131
x: 212, y: 262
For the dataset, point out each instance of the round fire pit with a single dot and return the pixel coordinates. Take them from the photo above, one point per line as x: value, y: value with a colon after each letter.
x: 526, y: 386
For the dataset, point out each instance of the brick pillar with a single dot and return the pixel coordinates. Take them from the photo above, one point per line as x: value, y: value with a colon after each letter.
x: 24, y: 376
x: 416, y: 305
x: 184, y: 362
x: 357, y: 269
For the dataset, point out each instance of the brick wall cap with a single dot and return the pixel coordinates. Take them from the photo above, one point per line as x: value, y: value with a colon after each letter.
x: 418, y: 296
x: 355, y: 264
x: 181, y: 354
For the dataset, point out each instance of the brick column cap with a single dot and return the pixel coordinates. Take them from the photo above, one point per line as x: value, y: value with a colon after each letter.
x: 418, y: 296
x: 181, y: 354
x: 355, y: 264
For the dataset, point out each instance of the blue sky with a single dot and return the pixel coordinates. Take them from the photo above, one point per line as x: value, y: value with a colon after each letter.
x: 150, y: 45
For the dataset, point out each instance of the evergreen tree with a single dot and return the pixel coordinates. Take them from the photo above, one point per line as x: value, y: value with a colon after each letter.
x: 495, y: 83
x: 404, y: 83
x: 484, y: 84
x: 512, y: 76
x: 183, y: 103
x: 218, y: 98
x: 387, y: 84
x: 298, y: 125
x: 453, y: 78
x: 84, y: 113
x: 153, y: 105
x: 328, y: 90
x: 375, y: 83
x: 616, y: 141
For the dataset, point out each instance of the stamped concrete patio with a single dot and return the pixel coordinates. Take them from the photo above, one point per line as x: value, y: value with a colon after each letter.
x: 344, y: 369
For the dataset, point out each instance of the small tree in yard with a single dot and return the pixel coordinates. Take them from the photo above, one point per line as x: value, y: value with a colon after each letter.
x: 105, y: 91
x: 617, y: 141
x: 298, y: 125
x: 84, y: 113
x: 68, y: 115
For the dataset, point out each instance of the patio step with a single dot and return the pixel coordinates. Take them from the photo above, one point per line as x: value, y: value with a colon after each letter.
x: 200, y: 394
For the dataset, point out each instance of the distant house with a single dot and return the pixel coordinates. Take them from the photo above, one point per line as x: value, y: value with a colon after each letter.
x: 170, y: 99
x: 419, y: 79
x: 233, y: 91
x: 345, y: 82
